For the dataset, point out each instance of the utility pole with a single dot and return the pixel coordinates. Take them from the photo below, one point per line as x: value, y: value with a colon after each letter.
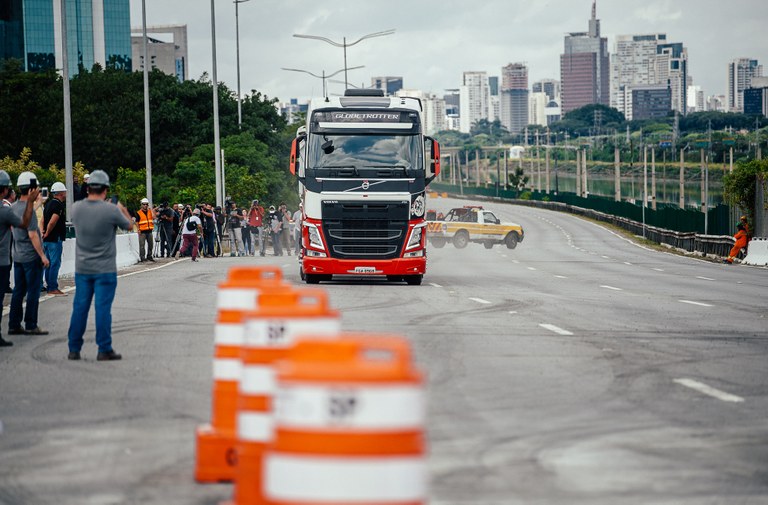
x: 147, y: 135
x: 682, y: 178
x: 653, y: 177
x: 68, y: 175
x: 617, y: 173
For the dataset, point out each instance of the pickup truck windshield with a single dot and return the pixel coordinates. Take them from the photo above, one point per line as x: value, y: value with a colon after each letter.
x: 365, y: 156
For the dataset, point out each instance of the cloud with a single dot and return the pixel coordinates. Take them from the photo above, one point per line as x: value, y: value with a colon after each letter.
x: 658, y: 12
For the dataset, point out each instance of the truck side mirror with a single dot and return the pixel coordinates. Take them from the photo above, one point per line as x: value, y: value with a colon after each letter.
x: 434, y: 155
x: 294, y: 156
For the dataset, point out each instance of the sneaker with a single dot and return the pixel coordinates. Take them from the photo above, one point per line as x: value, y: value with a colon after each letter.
x: 36, y: 331
x: 73, y: 356
x: 57, y: 292
x: 5, y: 343
x: 16, y: 331
x: 108, y: 356
x: 151, y: 259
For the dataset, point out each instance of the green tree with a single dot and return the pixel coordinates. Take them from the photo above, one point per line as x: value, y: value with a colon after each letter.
x: 739, y: 187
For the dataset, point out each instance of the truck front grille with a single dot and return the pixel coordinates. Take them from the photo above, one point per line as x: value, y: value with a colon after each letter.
x: 365, y: 230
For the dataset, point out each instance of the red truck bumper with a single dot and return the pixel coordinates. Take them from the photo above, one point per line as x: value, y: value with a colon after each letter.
x: 331, y: 266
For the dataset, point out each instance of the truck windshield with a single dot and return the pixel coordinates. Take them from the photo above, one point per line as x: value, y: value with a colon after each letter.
x: 371, y: 155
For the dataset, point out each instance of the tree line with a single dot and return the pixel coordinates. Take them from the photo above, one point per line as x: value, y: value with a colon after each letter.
x: 108, y: 134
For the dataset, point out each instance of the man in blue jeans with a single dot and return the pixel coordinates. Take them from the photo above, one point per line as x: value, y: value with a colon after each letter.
x: 28, y: 262
x: 54, y: 235
x: 96, y: 222
x: 7, y: 220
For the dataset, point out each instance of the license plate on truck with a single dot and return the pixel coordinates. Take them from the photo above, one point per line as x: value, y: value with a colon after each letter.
x: 365, y: 270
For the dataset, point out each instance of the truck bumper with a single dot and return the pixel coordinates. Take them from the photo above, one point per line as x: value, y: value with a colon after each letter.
x: 364, y: 268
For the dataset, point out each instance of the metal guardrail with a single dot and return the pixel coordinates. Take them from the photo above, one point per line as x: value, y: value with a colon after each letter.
x: 704, y: 245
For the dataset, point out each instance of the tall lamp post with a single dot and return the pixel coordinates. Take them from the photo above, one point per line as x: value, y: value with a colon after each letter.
x: 323, y: 76
x: 147, y: 136
x: 237, y: 43
x: 216, y: 136
x: 68, y: 175
x: 345, y: 45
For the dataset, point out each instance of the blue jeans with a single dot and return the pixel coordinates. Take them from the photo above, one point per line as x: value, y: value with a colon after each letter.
x: 5, y: 278
x: 51, y: 274
x: 103, y: 286
x: 26, y: 281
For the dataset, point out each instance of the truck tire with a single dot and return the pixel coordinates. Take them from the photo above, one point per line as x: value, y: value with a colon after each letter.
x: 414, y: 280
x: 438, y: 242
x: 461, y: 239
x: 301, y: 274
x: 511, y: 240
x: 488, y: 245
x: 312, y: 278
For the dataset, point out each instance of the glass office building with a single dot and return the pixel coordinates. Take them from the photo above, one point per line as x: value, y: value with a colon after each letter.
x: 98, y: 31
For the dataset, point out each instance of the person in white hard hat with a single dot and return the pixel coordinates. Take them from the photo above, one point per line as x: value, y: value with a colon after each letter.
x: 7, y: 219
x: 54, y: 235
x: 29, y: 260
x: 145, y: 219
x: 81, y: 190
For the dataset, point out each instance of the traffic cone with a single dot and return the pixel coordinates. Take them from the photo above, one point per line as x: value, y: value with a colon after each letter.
x: 348, y: 425
x: 270, y: 332
x: 216, y: 453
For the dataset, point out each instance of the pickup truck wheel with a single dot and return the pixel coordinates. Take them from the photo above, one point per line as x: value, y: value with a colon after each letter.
x: 414, y: 280
x: 511, y: 240
x: 488, y: 245
x: 438, y: 242
x: 461, y: 239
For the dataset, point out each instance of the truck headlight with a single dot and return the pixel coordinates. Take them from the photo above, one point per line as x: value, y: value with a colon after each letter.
x: 314, y: 236
x: 415, y: 239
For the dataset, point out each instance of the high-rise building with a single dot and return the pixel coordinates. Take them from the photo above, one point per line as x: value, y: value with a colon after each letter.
x: 716, y: 103
x: 514, y: 97
x: 672, y: 71
x: 756, y: 97
x: 651, y: 102
x: 433, y: 109
x: 98, y: 31
x: 741, y: 71
x: 474, y: 100
x: 494, y: 104
x: 537, y: 108
x: 584, y: 67
x: 549, y: 86
x: 390, y: 84
x: 633, y: 63
x: 168, y: 57
x: 696, y: 99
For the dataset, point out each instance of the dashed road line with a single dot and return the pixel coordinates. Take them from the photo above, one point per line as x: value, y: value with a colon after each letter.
x: 628, y: 263
x: 709, y: 390
x: 561, y: 276
x: 606, y: 257
x: 613, y: 288
x: 700, y: 304
x: 556, y: 329
x: 659, y: 269
x: 704, y: 278
x: 435, y: 285
x: 531, y: 268
x: 480, y: 300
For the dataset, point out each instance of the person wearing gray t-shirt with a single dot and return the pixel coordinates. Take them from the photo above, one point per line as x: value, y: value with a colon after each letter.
x: 29, y: 260
x: 96, y: 222
x: 8, y: 219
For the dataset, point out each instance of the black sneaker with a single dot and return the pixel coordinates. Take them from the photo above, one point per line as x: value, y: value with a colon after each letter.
x: 16, y: 331
x: 108, y: 356
x: 151, y: 259
x: 5, y: 343
x: 73, y: 356
x: 37, y: 331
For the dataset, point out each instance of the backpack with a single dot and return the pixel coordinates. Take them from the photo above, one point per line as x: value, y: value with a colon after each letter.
x: 191, y: 226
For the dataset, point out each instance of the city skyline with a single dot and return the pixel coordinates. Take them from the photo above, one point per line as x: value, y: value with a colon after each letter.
x: 436, y: 42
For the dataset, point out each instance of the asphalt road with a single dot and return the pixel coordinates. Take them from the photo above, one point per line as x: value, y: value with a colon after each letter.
x: 579, y: 368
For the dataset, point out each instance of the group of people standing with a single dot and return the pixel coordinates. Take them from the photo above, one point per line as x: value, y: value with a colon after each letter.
x: 277, y: 225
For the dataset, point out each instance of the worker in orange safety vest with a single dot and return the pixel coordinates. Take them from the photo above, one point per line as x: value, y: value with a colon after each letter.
x: 145, y: 220
x: 741, y: 242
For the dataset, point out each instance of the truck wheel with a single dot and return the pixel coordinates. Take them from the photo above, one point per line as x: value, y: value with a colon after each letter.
x: 312, y: 278
x: 511, y: 240
x: 438, y: 242
x: 488, y: 245
x: 414, y: 280
x: 461, y: 239
x: 302, y: 275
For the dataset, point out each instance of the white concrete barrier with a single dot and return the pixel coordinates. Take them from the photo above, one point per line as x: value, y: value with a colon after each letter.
x: 127, y: 253
x: 757, y: 252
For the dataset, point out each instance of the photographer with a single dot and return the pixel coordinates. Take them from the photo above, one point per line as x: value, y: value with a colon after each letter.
x: 209, y: 230
x: 166, y: 215
x: 219, y: 219
x: 145, y: 220
x: 192, y: 226
x: 255, y: 223
x: 234, y: 224
x: 275, y: 224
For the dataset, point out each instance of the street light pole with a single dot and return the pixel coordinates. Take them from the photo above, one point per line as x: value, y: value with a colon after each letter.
x: 323, y: 76
x: 216, y: 137
x: 147, y: 136
x: 344, y: 45
x: 68, y: 175
x: 237, y: 43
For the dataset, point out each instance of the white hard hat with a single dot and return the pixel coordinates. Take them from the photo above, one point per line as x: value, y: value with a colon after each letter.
x: 87, y: 175
x: 144, y: 200
x: 25, y: 179
x: 180, y: 205
x: 58, y: 187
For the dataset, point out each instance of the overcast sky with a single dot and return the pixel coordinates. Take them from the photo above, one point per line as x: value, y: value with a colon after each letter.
x: 435, y: 41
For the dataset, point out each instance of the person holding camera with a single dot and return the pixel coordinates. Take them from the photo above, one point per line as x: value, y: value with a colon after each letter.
x: 96, y: 222
x: 209, y: 230
x: 275, y: 224
x: 234, y: 223
x: 54, y: 235
x: 8, y: 219
x: 192, y: 225
x: 28, y: 262
x: 255, y: 223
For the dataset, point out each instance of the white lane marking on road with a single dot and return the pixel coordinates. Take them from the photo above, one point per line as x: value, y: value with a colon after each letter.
x: 704, y: 278
x: 561, y: 276
x: 435, y: 285
x: 627, y: 263
x: 556, y: 329
x: 480, y: 300
x: 611, y: 287
x: 606, y: 257
x: 709, y: 390
x: 517, y: 262
x: 531, y: 268
x: 700, y: 304
x: 513, y: 312
x: 659, y: 269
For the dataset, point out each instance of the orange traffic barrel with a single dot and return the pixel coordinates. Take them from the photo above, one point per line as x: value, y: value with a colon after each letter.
x: 348, y: 425
x: 270, y: 332
x: 239, y: 293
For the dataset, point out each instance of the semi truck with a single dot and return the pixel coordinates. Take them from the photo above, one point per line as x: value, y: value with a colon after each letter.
x: 363, y: 165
